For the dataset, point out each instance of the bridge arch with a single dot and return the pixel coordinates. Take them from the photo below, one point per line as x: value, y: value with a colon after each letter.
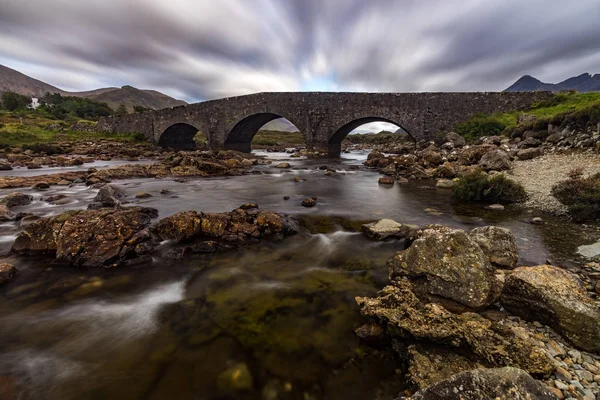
x: 334, y: 144
x: 241, y: 134
x: 179, y: 136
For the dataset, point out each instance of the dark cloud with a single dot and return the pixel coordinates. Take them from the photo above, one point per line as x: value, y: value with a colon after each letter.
x: 206, y: 49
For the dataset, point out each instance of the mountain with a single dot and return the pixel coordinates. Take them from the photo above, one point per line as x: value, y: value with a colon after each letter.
x: 15, y: 81
x: 280, y: 125
x: 582, y: 83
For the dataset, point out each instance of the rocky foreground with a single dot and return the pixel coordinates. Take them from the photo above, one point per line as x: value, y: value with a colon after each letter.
x: 472, y: 325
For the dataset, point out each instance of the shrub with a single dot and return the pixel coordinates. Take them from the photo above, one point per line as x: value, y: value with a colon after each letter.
x: 581, y: 196
x: 480, y: 125
x: 12, y: 101
x: 479, y: 186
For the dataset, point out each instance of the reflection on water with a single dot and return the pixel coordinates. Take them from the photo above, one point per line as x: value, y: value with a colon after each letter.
x: 271, y: 321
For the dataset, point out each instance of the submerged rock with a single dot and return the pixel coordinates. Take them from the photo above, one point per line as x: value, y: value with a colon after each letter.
x: 498, y: 244
x: 556, y: 298
x: 309, y: 202
x: 385, y: 228
x: 448, y: 263
x: 234, y: 379
x: 7, y: 272
x: 386, y: 180
x: 488, y: 383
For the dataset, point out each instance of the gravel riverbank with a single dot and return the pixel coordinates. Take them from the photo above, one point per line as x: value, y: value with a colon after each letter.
x: 540, y: 174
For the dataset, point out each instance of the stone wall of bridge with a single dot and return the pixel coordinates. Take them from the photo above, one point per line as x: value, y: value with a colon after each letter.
x: 323, y: 118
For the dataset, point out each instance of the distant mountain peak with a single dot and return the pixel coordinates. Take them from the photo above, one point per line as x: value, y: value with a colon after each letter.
x: 583, y: 83
x: 15, y: 81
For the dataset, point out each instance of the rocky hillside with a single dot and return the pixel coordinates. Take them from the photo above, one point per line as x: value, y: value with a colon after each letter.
x: 582, y: 83
x: 14, y: 81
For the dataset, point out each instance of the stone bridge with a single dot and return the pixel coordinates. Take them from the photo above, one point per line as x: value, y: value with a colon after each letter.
x: 324, y: 119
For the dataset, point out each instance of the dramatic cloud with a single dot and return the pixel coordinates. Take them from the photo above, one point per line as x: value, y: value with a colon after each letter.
x: 203, y: 49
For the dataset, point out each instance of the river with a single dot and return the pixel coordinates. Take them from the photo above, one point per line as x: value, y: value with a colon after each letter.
x: 274, y: 321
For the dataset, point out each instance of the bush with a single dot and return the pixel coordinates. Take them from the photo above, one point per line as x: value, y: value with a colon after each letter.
x: 581, y: 196
x: 12, y: 101
x: 479, y: 186
x: 62, y: 106
x: 480, y: 125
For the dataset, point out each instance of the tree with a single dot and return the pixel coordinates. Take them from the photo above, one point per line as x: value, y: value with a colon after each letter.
x: 139, y: 109
x: 121, y: 110
x: 12, y: 101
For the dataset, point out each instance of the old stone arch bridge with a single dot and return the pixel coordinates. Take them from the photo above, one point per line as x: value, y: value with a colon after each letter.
x: 323, y: 118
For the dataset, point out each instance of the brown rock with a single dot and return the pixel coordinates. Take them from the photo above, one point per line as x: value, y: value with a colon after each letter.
x: 16, y: 199
x: 498, y: 244
x: 309, y: 202
x: 179, y: 227
x: 7, y: 272
x: 386, y: 180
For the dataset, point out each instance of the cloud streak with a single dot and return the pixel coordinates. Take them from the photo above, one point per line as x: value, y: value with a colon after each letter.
x: 198, y: 50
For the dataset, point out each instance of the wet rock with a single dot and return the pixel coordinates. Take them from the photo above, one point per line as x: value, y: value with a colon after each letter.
x: 385, y: 228
x: 41, y: 186
x: 495, y: 207
x: 375, y: 155
x: 109, y: 196
x: 16, y: 199
x: 498, y: 244
x: 557, y: 298
x: 53, y: 198
x: 236, y: 378
x: 249, y: 206
x: 87, y: 238
x: 528, y: 154
x: 309, y: 202
x: 488, y: 383
x: 7, y: 272
x: 214, y: 225
x: 179, y: 227
x: 590, y: 251
x: 142, y: 195
x: 4, y: 166
x: 448, y: 263
x: 444, y: 184
x: 410, y: 321
x: 496, y: 160
x: 286, y: 197
x: 536, y: 221
x: 283, y: 165
x: 63, y: 182
x: 386, y: 180
x: 370, y: 332
x: 5, y: 214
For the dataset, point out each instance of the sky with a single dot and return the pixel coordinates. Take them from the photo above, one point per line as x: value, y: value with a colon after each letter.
x: 204, y: 49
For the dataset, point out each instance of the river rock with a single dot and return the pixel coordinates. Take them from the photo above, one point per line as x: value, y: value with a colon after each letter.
x: 179, y: 227
x: 142, y: 195
x: 591, y: 251
x: 41, y: 186
x: 448, y: 263
x: 411, y: 321
x: 4, y: 166
x: 16, y: 199
x: 7, y: 272
x: 386, y: 180
x: 455, y: 139
x: 528, y: 154
x: 498, y: 244
x: 444, y: 184
x: 109, y: 196
x: 488, y: 383
x: 557, y: 298
x: 28, y: 220
x: 309, y: 202
x: 496, y: 160
x: 283, y: 165
x: 5, y: 214
x: 88, y: 238
x: 385, y: 228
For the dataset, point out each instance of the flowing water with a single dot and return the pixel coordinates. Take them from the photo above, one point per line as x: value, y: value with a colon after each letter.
x: 274, y: 321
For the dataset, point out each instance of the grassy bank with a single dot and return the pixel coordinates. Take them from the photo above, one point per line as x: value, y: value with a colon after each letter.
x: 563, y: 107
x: 19, y: 128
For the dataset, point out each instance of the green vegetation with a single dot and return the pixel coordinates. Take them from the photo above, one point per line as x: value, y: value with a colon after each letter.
x: 563, y: 108
x: 479, y: 186
x: 581, y: 196
x: 66, y: 107
x: 34, y: 127
x: 277, y: 138
x: 13, y: 101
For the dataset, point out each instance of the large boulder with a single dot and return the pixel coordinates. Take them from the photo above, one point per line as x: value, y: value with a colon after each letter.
x: 89, y: 238
x: 455, y: 139
x: 528, y: 154
x: 16, y: 199
x: 179, y: 227
x: 109, y: 196
x: 556, y: 298
x: 488, y: 383
x: 498, y: 244
x: 496, y: 160
x: 410, y: 321
x: 385, y: 228
x: 448, y: 263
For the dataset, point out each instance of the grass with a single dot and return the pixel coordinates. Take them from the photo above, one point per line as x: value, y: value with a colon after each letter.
x: 563, y: 107
x: 276, y: 138
x: 581, y: 196
x: 479, y: 186
x: 31, y: 127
